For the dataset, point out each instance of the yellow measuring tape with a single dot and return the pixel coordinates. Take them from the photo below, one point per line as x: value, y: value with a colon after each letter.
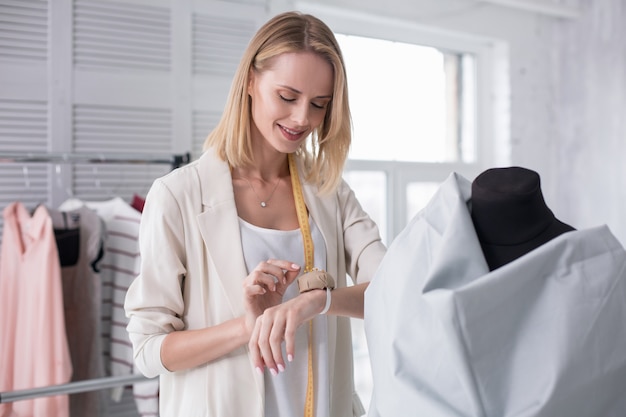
x: 303, y: 217
x: 303, y: 220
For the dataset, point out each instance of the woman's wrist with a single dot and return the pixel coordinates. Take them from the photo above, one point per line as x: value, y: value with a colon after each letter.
x: 317, y: 297
x: 246, y: 328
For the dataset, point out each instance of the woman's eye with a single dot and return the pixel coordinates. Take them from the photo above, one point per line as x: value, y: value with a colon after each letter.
x: 291, y: 100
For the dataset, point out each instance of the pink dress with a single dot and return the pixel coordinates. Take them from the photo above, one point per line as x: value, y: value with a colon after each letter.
x: 33, y: 343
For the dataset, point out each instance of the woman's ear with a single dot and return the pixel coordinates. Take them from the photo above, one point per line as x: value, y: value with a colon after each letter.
x: 251, y: 79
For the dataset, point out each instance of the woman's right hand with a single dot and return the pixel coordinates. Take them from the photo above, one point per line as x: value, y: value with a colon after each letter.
x: 265, y: 287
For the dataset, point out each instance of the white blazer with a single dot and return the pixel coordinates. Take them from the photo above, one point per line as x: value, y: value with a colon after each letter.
x: 543, y: 335
x: 191, y: 275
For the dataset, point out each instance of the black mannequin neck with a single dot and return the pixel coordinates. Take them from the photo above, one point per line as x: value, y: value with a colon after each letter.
x: 508, y: 207
x: 510, y: 214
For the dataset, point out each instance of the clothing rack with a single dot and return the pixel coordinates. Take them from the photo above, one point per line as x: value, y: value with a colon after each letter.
x: 175, y: 160
x: 71, y: 387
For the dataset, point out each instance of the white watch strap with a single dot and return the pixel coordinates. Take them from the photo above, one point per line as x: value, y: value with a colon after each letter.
x: 327, y: 306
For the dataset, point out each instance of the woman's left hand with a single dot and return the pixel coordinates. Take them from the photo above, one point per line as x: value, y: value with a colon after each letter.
x: 278, y: 324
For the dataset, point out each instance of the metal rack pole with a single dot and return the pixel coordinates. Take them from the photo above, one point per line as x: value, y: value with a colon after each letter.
x: 175, y: 160
x: 71, y: 387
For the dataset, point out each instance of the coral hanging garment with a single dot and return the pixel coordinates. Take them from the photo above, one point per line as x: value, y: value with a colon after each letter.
x: 33, y: 343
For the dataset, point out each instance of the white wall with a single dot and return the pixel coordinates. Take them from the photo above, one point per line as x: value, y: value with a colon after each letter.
x: 589, y: 124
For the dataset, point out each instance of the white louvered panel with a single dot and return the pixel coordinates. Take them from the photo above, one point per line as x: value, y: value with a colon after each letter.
x: 110, y: 35
x: 24, y: 30
x: 203, y: 123
x: 218, y: 43
x: 97, y: 182
x: 23, y: 125
x: 26, y: 182
x: 109, y: 129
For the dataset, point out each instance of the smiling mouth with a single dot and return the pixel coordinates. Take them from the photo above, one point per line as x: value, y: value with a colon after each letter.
x: 290, y: 133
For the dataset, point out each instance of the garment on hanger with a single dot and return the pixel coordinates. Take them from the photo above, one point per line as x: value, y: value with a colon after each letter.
x: 541, y: 336
x: 33, y: 343
x: 118, y: 268
x: 82, y: 299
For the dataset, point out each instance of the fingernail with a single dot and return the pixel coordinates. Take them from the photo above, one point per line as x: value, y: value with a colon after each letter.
x: 290, y: 357
x: 259, y: 371
x: 273, y: 371
x: 281, y: 368
x: 295, y: 266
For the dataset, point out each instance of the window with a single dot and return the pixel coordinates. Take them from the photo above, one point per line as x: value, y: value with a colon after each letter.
x: 413, y: 104
x: 410, y: 102
x: 418, y: 112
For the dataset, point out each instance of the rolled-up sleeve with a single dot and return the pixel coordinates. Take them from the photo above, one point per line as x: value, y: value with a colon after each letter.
x: 362, y: 242
x: 154, y: 302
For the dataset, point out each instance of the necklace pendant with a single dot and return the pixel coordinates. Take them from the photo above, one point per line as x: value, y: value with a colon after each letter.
x: 263, y: 204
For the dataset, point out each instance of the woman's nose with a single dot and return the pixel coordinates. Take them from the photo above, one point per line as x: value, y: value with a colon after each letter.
x: 300, y: 114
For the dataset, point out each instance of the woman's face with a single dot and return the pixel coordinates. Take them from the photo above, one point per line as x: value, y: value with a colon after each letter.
x: 289, y: 99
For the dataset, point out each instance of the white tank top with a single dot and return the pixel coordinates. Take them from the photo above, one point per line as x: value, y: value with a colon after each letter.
x: 285, y: 393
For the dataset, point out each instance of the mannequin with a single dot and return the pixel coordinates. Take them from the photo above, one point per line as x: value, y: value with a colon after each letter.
x: 510, y: 215
x: 537, y: 337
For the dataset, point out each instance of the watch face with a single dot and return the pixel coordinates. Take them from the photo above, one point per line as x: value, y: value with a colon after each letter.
x: 315, y: 280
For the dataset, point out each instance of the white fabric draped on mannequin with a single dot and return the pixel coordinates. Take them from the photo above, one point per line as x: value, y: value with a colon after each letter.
x: 540, y: 336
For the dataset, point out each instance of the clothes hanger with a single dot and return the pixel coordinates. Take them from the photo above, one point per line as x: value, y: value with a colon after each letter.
x: 71, y: 202
x: 27, y: 186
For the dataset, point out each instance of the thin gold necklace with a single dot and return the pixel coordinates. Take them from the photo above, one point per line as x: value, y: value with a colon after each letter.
x: 263, y: 202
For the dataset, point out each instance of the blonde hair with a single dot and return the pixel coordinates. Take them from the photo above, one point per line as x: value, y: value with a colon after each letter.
x: 325, y: 155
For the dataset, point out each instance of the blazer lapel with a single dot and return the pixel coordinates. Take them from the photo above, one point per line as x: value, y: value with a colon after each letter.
x: 219, y: 226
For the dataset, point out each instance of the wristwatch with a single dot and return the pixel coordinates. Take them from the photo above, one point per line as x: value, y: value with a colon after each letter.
x: 316, y: 280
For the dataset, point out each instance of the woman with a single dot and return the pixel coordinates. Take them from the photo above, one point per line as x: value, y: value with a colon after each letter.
x: 216, y: 311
